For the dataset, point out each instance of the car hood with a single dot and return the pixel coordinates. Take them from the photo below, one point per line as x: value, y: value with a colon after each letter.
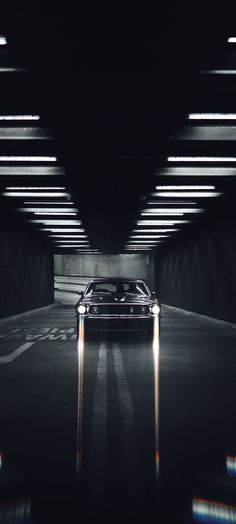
x: 117, y: 299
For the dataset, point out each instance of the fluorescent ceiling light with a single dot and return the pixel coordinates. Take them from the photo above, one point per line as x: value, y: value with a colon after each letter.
x: 170, y: 203
x: 58, y: 222
x: 176, y: 187
x: 149, y: 236
x: 62, y: 229
x: 36, y: 170
x: 196, y: 171
x: 155, y: 230
x: 160, y: 222
x: 63, y: 248
x: 64, y: 241
x: 73, y: 245
x: 35, y: 194
x: 14, y: 70
x: 204, y: 132
x: 25, y: 133
x: 212, y: 116
x: 55, y: 202
x: 170, y: 211
x: 138, y: 244
x: 232, y: 40
x: 53, y: 213
x: 201, y: 159
x: 3, y: 40
x: 68, y: 236
x: 19, y: 117
x: 188, y: 194
x: 47, y: 210
x: 34, y: 188
x: 28, y: 158
x: 218, y: 72
x: 82, y: 242
x: 143, y: 242
x: 161, y: 213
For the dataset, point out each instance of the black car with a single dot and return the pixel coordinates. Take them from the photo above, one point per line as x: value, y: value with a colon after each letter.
x: 118, y: 304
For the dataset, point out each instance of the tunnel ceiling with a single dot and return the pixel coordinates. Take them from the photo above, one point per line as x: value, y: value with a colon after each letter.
x: 117, y: 129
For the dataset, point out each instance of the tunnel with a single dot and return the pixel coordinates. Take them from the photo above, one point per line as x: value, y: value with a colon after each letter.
x: 117, y: 264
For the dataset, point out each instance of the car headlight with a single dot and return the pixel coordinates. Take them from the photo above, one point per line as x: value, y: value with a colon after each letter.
x: 155, y: 309
x: 81, y: 309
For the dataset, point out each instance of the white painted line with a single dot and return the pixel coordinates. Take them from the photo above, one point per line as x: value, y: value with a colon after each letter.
x: 29, y: 312
x: 100, y: 401
x: 99, y: 425
x: 129, y: 439
x: 125, y: 398
x: 15, y: 354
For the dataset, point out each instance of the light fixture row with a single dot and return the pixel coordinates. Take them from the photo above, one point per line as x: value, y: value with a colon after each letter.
x: 155, y: 226
x: 40, y: 200
x: 164, y: 191
x: 144, y: 232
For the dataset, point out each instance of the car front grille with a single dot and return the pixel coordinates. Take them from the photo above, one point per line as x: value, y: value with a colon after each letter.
x: 118, y: 310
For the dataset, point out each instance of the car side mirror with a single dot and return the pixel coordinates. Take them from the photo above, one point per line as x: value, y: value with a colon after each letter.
x: 153, y: 292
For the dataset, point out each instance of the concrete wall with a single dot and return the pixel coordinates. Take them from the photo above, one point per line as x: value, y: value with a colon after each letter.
x: 130, y: 266
x: 26, y: 273
x: 199, y: 273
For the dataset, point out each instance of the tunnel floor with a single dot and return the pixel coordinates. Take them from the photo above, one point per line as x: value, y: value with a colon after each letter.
x: 113, y: 436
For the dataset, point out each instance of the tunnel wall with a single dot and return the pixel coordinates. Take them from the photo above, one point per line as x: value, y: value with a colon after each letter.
x: 129, y: 266
x: 199, y: 273
x: 26, y: 273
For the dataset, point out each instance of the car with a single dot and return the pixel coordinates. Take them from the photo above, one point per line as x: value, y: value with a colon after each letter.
x: 118, y: 304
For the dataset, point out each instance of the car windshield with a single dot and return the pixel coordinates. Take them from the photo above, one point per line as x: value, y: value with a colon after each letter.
x: 136, y: 288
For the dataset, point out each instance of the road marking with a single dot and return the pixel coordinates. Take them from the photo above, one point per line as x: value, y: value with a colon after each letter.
x: 99, y: 425
x: 15, y: 354
x: 11, y: 332
x: 125, y: 398
x: 100, y: 400
x: 129, y: 444
x: 43, y: 333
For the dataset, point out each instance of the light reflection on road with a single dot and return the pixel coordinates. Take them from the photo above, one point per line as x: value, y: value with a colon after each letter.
x: 81, y: 341
x: 121, y: 386
x: 156, y: 355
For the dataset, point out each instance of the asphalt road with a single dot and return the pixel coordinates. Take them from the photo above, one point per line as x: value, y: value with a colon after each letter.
x: 110, y: 429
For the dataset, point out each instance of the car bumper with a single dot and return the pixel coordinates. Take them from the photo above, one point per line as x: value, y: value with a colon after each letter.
x: 118, y: 324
